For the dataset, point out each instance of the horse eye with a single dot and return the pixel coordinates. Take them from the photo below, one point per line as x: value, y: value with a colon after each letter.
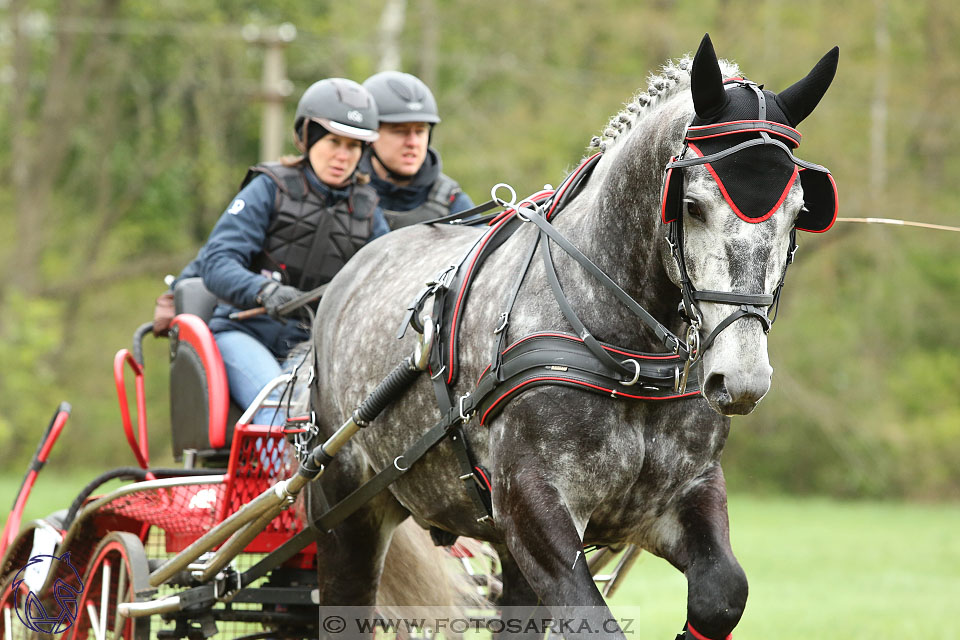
x: 692, y: 208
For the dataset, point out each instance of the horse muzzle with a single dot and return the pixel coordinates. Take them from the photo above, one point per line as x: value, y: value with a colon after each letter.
x: 737, y: 371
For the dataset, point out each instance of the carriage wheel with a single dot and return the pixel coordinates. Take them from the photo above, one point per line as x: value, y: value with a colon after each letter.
x: 11, y: 627
x: 116, y: 573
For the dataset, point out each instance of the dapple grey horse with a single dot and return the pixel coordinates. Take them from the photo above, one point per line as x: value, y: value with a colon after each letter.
x: 571, y: 468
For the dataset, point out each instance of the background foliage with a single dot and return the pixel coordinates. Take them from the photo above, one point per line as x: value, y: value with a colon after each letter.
x: 126, y: 126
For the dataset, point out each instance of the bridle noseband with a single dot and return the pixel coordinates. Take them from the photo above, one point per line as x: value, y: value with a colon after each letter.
x: 748, y: 305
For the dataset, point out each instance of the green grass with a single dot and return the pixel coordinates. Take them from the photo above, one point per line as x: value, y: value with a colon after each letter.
x: 818, y: 568
x: 821, y: 568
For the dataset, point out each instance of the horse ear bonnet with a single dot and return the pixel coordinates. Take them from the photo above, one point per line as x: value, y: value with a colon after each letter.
x: 754, y: 181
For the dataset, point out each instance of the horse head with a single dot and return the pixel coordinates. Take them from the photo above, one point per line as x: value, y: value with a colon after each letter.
x: 732, y: 201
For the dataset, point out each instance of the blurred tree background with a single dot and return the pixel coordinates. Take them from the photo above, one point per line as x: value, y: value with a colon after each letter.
x: 127, y: 125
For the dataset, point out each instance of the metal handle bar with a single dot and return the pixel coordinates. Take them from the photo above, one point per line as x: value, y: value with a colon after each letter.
x: 138, y: 335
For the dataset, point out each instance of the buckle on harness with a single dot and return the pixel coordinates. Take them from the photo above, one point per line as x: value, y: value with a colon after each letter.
x: 636, y: 374
x: 445, y: 277
x: 465, y: 418
x: 693, y: 352
x: 504, y: 321
x: 421, y: 355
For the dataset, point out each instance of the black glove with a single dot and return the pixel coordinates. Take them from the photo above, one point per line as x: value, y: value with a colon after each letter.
x: 273, y: 295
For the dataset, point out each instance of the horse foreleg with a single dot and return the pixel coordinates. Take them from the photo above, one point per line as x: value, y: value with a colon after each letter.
x: 546, y: 545
x: 350, y: 561
x: 716, y: 584
x: 518, y: 601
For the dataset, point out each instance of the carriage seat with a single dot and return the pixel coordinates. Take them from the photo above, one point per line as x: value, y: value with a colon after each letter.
x: 201, y: 412
x: 191, y: 296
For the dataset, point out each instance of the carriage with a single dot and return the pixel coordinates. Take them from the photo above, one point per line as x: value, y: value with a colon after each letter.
x: 105, y: 547
x: 605, y: 436
x: 90, y: 570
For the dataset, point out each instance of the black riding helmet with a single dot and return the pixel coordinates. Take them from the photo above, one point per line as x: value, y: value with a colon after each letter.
x: 402, y: 97
x: 340, y: 106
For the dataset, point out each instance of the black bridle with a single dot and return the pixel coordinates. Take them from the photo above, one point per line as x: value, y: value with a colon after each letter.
x: 749, y: 305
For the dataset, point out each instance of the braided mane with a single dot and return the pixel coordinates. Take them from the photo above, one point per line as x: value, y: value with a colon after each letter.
x: 674, y: 77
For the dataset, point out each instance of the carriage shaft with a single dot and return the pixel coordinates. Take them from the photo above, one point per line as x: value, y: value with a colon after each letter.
x: 278, y: 494
x: 238, y: 542
x: 244, y: 525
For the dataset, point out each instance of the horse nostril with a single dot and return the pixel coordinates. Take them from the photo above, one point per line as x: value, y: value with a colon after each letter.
x: 715, y: 388
x: 734, y: 396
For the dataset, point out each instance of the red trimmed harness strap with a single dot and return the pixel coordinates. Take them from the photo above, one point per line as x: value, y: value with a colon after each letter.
x: 550, y: 358
x: 700, y: 132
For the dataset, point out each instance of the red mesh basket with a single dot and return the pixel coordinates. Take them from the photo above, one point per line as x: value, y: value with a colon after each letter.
x: 258, y: 459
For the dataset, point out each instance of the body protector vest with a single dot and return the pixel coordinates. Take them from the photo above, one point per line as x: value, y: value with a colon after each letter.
x: 441, y: 196
x: 308, y: 240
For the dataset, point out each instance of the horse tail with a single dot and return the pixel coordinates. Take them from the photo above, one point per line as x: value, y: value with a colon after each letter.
x: 423, y: 581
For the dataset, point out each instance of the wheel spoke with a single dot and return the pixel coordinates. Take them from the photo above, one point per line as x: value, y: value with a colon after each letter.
x: 94, y: 621
x: 7, y: 624
x: 118, y: 620
x: 104, y: 600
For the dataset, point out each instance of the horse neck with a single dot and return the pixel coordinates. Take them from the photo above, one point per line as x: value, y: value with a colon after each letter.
x: 615, y: 221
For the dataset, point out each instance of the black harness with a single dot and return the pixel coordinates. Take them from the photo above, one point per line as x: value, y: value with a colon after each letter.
x: 576, y: 360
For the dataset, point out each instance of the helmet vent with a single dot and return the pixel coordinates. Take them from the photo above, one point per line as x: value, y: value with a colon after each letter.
x: 352, y: 96
x: 408, y: 93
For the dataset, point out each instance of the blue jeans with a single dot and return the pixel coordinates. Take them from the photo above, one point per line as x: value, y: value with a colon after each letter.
x: 250, y: 366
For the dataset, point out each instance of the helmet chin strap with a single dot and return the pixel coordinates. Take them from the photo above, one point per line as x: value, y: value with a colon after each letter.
x: 391, y: 174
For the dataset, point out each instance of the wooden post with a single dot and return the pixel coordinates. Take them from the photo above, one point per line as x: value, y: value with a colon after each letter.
x: 275, y: 87
x: 391, y: 28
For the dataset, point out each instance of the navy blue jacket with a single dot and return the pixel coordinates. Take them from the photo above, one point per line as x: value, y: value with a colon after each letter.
x: 238, y: 237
